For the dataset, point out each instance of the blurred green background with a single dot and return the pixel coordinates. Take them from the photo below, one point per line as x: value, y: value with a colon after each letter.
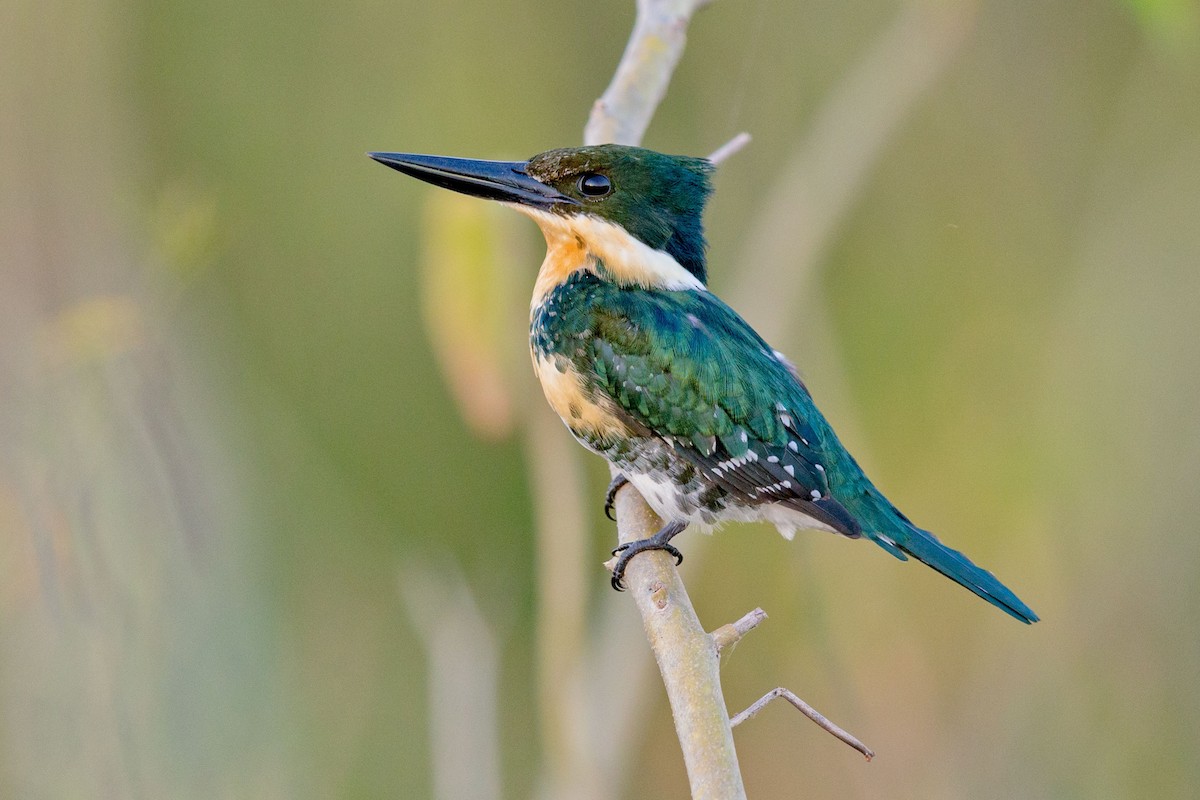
x: 261, y: 538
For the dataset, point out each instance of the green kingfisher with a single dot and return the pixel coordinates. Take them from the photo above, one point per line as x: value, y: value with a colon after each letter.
x: 651, y: 370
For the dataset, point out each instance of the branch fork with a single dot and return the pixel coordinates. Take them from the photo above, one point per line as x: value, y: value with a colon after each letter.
x: 808, y: 711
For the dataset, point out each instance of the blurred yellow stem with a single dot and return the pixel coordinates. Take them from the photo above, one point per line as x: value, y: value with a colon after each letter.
x: 561, y: 541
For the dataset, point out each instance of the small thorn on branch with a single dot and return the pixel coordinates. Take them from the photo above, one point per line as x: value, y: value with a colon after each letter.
x: 807, y: 711
x: 729, y: 635
x: 729, y: 148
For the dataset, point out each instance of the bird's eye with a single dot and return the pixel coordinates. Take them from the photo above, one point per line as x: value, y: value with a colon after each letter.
x: 594, y: 185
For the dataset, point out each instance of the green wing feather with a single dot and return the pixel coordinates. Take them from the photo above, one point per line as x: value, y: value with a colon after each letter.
x: 685, y: 367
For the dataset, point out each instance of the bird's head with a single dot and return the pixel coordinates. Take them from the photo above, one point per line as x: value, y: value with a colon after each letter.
x: 608, y: 189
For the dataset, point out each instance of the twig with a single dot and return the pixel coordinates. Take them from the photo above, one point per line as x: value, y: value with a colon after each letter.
x: 623, y: 112
x: 806, y: 710
x: 727, y: 636
x: 730, y: 148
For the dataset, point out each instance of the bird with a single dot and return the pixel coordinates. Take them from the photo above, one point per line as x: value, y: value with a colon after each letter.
x: 651, y: 370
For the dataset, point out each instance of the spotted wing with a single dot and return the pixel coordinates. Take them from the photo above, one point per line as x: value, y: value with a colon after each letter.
x: 686, y: 367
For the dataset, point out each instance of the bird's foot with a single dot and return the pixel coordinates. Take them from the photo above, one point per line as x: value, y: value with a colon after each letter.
x: 610, y: 497
x: 659, y: 541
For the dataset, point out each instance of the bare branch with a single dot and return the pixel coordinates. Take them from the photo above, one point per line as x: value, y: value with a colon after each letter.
x: 623, y: 112
x: 807, y: 711
x: 686, y: 655
x: 727, y: 636
x: 730, y: 148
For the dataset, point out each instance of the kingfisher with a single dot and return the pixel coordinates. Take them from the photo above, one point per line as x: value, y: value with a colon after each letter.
x: 654, y: 372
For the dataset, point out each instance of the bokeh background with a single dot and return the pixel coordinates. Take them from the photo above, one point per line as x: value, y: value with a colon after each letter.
x: 282, y: 514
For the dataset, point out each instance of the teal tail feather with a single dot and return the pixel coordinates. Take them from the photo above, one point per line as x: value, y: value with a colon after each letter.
x: 902, y: 539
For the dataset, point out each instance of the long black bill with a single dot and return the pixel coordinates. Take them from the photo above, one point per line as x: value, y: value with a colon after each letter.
x: 506, y: 181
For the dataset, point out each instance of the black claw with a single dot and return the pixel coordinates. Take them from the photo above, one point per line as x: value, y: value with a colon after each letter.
x: 610, y: 497
x: 659, y: 541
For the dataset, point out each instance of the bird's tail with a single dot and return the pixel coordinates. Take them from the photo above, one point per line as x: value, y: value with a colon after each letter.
x: 894, y: 533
